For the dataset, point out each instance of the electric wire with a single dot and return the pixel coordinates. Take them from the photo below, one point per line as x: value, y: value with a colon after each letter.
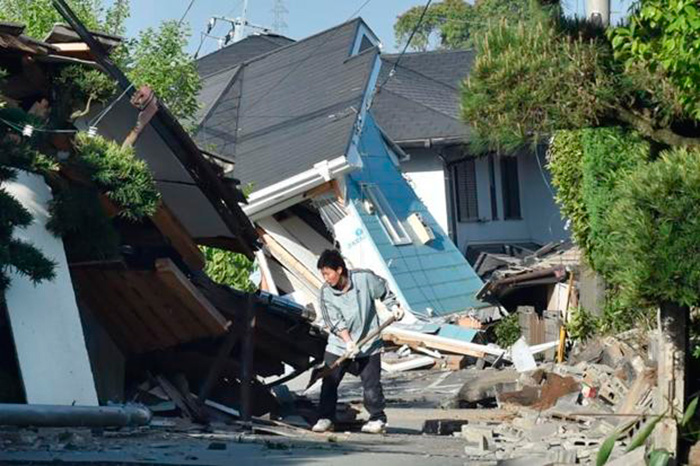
x: 301, y: 62
x: 184, y: 15
x: 408, y: 42
x: 95, y: 121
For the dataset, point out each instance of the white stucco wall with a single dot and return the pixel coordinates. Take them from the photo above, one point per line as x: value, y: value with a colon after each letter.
x: 425, y: 174
x: 44, y: 317
x: 541, y: 220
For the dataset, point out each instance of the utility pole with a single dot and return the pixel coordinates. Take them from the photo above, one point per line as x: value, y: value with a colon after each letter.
x: 598, y: 12
x: 279, y: 13
x: 238, y: 27
x: 241, y: 23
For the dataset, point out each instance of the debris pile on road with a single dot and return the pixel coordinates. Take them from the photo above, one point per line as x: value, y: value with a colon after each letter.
x: 563, y: 412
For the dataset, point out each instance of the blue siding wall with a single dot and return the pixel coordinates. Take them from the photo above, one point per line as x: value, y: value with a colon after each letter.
x: 433, y: 276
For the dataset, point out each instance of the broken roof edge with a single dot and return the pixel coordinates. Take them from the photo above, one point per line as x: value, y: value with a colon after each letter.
x: 283, y: 194
x: 180, y: 143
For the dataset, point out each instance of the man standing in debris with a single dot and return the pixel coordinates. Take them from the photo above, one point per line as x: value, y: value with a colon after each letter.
x: 347, y: 303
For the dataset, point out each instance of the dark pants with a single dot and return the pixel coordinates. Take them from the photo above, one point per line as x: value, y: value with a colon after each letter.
x: 369, y: 369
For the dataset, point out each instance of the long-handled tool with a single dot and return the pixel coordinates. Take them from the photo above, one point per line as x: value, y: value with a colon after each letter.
x: 321, y: 372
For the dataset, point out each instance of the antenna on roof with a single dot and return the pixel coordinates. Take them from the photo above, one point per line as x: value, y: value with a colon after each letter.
x: 279, y: 13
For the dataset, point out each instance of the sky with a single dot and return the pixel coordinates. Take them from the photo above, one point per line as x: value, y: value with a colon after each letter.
x: 305, y: 17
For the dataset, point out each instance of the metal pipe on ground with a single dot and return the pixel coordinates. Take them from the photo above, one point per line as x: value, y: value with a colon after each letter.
x: 74, y: 416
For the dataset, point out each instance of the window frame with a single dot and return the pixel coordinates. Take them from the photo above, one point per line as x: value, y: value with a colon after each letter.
x: 463, y: 167
x: 510, y: 188
x: 394, y: 229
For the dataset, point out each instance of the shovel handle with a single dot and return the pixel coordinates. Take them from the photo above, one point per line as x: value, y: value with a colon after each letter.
x: 364, y: 340
x: 326, y: 370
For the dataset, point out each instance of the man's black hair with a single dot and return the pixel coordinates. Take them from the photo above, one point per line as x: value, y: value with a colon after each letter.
x: 332, y: 259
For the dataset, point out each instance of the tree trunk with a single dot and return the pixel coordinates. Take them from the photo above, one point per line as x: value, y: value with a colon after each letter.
x: 672, y: 337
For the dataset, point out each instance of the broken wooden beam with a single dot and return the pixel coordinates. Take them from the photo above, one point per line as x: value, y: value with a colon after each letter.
x: 180, y: 240
x: 171, y: 276
x: 441, y: 343
x: 247, y: 359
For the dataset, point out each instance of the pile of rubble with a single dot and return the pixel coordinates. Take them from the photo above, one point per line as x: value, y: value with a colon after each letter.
x: 562, y: 412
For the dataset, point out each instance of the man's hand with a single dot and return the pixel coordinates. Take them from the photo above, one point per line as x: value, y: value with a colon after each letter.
x: 397, y: 312
x: 351, y: 349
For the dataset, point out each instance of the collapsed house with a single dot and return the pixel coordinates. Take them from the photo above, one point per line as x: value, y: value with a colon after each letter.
x: 109, y: 328
x: 296, y: 121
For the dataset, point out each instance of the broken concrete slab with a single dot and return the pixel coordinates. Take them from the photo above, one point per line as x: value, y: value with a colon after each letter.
x: 486, y: 384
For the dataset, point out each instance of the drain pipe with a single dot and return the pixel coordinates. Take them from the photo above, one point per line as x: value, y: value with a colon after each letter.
x: 74, y: 416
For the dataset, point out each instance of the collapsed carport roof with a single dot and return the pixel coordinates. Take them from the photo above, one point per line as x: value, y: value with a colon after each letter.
x: 205, y: 204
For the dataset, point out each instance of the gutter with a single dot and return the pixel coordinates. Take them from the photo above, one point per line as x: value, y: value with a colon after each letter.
x: 430, y: 142
x: 279, y: 196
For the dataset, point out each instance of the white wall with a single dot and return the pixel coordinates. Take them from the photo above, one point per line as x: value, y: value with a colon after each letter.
x: 425, y: 174
x: 540, y: 223
x: 45, y: 320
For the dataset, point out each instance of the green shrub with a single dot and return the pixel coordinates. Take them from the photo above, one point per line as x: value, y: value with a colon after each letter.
x: 582, y: 325
x: 117, y: 172
x: 610, y: 155
x: 565, y: 163
x: 508, y: 331
x: 655, y: 232
x: 529, y: 79
x: 229, y: 268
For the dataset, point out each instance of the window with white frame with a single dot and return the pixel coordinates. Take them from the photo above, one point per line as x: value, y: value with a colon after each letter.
x: 391, y: 223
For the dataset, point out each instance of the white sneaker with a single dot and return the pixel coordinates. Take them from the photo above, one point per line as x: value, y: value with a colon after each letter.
x: 374, y: 427
x: 323, y: 425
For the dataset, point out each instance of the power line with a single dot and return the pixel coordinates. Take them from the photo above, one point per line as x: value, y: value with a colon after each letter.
x: 301, y: 62
x: 184, y: 15
x: 408, y: 42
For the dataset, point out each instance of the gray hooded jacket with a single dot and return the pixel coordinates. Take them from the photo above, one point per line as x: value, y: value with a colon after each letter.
x: 355, y: 310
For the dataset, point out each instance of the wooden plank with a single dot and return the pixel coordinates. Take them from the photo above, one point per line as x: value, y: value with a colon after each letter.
x: 112, y: 297
x: 173, y: 278
x: 147, y: 300
x: 186, y: 319
x: 318, y: 190
x: 73, y: 47
x: 247, y: 359
x: 417, y: 345
x: 179, y: 238
x: 305, y: 235
x: 289, y: 261
x: 112, y: 321
x: 217, y: 368
x: 291, y: 244
x: 289, y: 282
x: 143, y: 309
x: 184, y: 401
x: 267, y: 283
x: 441, y: 343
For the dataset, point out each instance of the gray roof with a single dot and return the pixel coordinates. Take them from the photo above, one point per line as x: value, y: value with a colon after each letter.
x: 421, y: 100
x: 238, y: 52
x: 284, y: 111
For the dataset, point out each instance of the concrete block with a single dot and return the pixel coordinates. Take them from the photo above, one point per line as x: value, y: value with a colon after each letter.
x: 634, y: 458
x: 481, y: 445
x: 473, y: 433
x: 542, y: 432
